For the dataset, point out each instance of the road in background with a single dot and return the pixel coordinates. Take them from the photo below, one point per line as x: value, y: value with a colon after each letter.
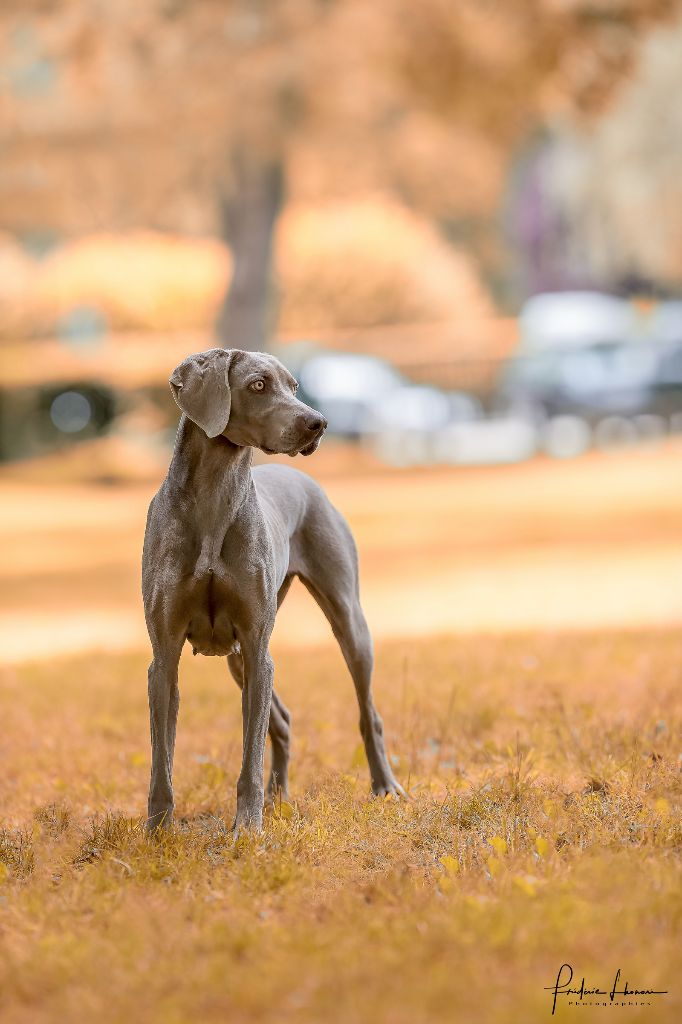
x: 585, y: 544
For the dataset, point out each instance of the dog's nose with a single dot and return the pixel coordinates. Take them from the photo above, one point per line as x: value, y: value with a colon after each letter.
x: 316, y: 422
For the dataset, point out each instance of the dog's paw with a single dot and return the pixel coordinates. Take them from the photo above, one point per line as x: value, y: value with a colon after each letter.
x: 390, y: 787
x: 159, y: 821
x: 247, y: 820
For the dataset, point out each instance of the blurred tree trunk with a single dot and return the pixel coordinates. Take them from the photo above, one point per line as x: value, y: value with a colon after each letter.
x: 248, y: 217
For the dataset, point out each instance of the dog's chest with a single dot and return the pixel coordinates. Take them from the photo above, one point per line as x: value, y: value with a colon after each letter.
x: 214, y: 604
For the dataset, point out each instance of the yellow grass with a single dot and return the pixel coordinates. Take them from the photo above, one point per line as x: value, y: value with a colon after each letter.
x: 348, y: 909
x: 543, y: 767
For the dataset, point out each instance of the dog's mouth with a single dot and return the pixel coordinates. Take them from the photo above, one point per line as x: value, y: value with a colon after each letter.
x: 307, y: 449
x: 310, y: 448
x: 293, y: 452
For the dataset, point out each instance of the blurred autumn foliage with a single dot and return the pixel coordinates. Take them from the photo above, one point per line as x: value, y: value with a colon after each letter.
x: 342, y: 264
x: 368, y: 150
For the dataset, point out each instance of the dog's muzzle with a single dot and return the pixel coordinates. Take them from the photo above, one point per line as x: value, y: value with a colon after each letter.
x: 314, y: 425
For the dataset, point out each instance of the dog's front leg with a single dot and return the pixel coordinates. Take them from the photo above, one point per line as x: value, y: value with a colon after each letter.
x: 256, y: 698
x: 164, y: 700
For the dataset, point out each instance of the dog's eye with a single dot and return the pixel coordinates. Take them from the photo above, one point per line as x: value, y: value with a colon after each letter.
x: 257, y: 385
x: 294, y: 386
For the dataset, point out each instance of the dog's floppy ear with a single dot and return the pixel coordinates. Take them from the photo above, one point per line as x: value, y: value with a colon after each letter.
x: 201, y: 387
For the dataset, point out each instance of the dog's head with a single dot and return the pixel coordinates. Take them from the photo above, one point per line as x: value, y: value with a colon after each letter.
x: 249, y: 398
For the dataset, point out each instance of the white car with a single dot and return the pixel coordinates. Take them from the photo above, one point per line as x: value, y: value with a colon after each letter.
x: 347, y: 388
x: 411, y: 424
x: 566, y: 320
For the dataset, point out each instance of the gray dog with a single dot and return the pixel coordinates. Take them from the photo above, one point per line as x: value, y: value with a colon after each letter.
x: 221, y: 548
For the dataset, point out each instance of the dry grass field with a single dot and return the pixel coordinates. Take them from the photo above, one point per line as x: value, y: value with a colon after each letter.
x: 529, y: 670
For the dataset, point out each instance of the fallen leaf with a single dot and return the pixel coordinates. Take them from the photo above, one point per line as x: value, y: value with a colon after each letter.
x: 542, y: 846
x: 450, y: 864
x: 495, y: 866
x: 526, y: 883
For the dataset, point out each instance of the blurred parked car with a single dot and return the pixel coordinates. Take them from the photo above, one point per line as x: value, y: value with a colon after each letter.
x: 404, y: 422
x: 566, y: 320
x: 590, y: 381
x: 587, y: 393
x: 471, y: 441
x: 666, y: 329
x: 491, y: 441
x: 666, y: 323
x: 346, y: 388
x: 37, y: 420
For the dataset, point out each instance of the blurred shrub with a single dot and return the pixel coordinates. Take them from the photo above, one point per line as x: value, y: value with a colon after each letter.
x: 342, y: 264
x: 142, y: 280
x: 362, y: 262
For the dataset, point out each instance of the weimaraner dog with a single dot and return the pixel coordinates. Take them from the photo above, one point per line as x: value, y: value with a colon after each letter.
x: 222, y: 545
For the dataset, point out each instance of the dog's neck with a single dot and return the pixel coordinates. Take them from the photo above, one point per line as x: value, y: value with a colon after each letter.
x: 211, y: 476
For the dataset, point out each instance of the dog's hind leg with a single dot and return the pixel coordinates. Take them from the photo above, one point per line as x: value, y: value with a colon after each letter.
x: 350, y: 629
x: 332, y: 579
